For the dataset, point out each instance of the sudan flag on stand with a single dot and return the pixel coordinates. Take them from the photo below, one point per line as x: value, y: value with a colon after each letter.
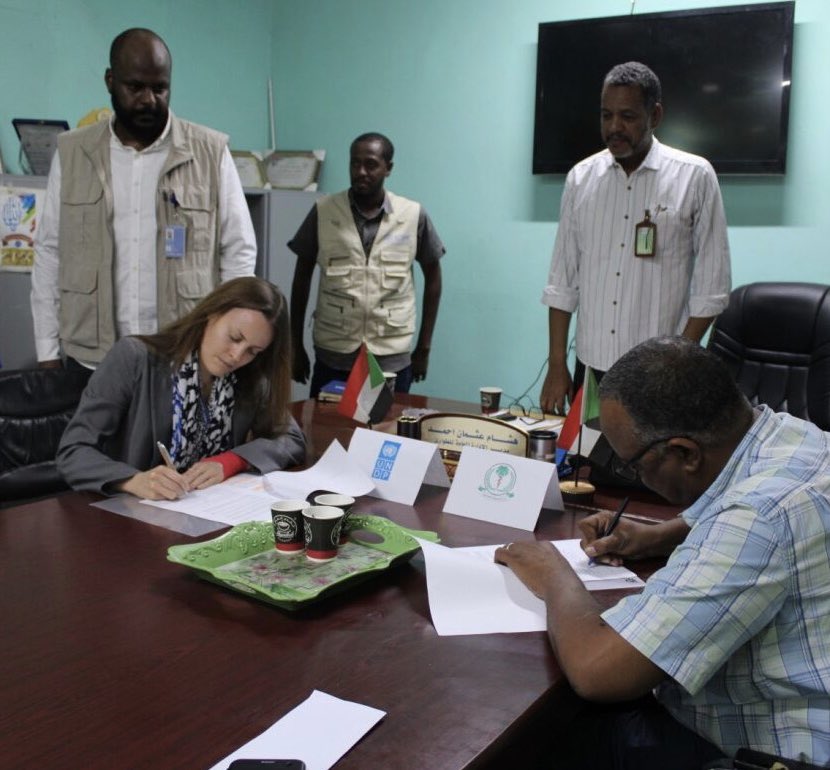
x: 366, y: 397
x: 582, y: 418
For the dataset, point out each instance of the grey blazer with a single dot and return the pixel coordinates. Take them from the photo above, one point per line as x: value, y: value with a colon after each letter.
x: 127, y: 407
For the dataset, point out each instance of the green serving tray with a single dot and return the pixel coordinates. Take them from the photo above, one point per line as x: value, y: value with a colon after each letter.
x: 244, y: 559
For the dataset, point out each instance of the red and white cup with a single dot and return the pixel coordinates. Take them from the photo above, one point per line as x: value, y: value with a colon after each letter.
x: 321, y: 524
x: 289, y: 530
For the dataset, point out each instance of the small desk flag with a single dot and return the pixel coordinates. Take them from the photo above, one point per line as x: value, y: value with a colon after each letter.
x: 366, y: 398
x: 585, y: 407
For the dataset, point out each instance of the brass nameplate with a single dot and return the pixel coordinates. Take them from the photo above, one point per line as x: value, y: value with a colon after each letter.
x: 453, y: 432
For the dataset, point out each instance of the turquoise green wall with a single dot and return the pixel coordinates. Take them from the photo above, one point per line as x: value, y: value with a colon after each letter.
x: 452, y: 82
x: 55, y: 52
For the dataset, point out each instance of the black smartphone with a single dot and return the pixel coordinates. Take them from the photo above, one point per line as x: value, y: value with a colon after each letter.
x: 267, y: 764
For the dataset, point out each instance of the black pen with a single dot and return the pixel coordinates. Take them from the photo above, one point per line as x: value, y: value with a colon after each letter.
x: 613, y: 525
x: 616, y: 520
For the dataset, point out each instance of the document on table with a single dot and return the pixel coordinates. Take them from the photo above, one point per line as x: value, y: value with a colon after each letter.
x: 470, y: 594
x: 248, y: 497
x: 240, y: 498
x: 335, y: 471
x: 319, y: 731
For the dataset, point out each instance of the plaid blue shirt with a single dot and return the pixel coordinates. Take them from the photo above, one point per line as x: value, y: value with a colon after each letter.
x: 740, y: 615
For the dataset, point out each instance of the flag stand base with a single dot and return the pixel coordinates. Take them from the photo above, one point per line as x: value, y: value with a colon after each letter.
x: 581, y: 493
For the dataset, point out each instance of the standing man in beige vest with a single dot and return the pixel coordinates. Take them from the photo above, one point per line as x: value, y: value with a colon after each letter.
x: 144, y: 215
x: 365, y: 240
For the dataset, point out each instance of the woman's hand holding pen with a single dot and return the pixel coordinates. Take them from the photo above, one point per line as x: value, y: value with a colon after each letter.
x: 159, y: 483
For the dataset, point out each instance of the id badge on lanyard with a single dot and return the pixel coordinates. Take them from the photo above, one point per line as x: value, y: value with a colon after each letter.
x: 175, y: 234
x: 645, y: 237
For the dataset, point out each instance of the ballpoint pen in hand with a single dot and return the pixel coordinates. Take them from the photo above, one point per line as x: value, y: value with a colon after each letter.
x: 165, y: 455
x: 168, y: 461
x: 613, y: 525
x: 616, y: 520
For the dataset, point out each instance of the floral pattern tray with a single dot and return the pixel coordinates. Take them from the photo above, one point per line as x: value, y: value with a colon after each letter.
x: 244, y: 559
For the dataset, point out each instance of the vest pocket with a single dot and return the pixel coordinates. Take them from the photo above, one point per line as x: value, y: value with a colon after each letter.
x: 395, y: 320
x: 192, y: 286
x: 82, y: 222
x: 195, y: 208
x: 338, y: 277
x: 394, y: 269
x: 335, y: 314
x: 79, y: 306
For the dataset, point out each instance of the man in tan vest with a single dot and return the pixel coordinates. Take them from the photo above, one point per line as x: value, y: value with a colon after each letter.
x: 365, y: 240
x: 144, y: 215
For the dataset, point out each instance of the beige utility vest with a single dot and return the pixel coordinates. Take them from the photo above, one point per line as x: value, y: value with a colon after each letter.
x: 86, y: 240
x: 366, y: 300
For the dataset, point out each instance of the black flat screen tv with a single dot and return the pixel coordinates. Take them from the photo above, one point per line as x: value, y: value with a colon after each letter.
x: 725, y: 74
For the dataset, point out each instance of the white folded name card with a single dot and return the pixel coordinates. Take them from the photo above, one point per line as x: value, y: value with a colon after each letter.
x: 397, y: 465
x: 506, y: 490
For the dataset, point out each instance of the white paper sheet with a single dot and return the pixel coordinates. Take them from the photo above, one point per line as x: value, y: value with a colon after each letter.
x: 240, y: 498
x: 335, y: 471
x: 470, y: 594
x: 299, y: 735
x: 248, y: 497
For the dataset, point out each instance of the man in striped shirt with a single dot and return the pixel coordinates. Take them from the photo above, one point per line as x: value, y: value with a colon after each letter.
x: 641, y: 248
x: 733, y: 634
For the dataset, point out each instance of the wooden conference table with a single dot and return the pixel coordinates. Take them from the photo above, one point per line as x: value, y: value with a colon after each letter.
x: 113, y: 657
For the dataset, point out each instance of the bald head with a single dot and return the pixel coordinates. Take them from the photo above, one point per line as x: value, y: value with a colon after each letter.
x: 138, y: 80
x: 139, y: 42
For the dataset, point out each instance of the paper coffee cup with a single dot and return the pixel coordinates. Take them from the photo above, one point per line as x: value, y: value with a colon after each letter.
x: 321, y: 524
x: 490, y: 399
x: 287, y: 518
x: 343, y: 502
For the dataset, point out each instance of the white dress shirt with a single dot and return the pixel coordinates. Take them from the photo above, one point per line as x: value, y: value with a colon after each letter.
x: 623, y: 300
x: 135, y: 177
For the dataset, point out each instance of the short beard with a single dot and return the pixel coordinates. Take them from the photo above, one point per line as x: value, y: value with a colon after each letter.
x: 144, y: 133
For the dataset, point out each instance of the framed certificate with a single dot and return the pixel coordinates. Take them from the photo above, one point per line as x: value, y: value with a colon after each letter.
x: 294, y: 169
x: 249, y: 167
x: 39, y: 139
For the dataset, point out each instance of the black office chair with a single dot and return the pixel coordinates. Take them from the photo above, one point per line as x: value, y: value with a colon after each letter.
x: 775, y: 338
x: 35, y: 407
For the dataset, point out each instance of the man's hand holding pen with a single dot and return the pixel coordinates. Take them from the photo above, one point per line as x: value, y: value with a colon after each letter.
x: 605, y: 547
x: 603, y: 530
x: 629, y: 540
